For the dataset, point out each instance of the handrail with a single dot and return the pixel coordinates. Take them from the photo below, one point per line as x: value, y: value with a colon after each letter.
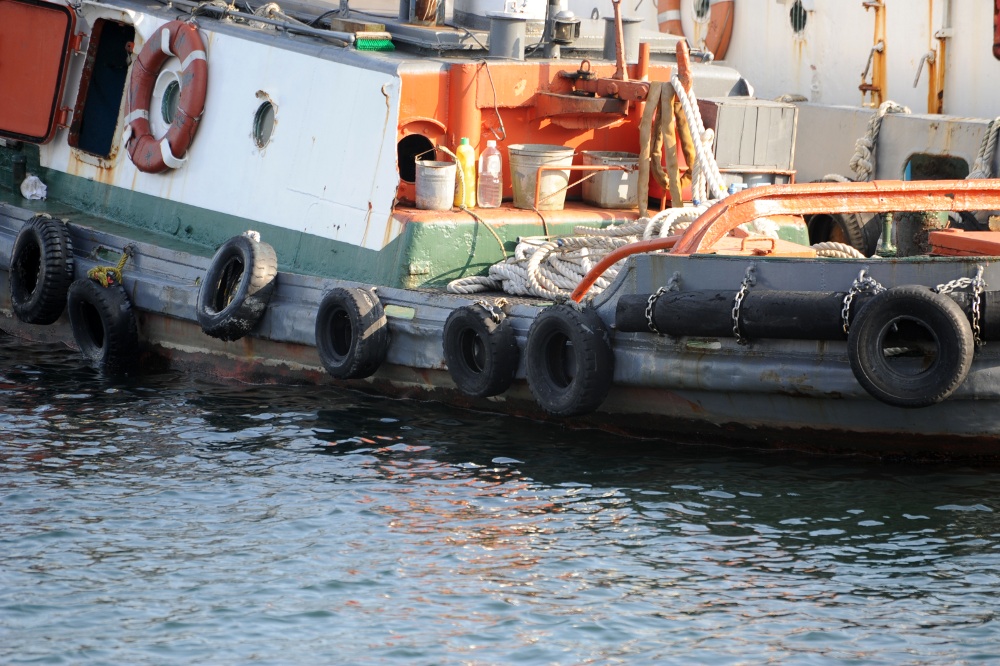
x: 848, y: 197
x: 806, y: 199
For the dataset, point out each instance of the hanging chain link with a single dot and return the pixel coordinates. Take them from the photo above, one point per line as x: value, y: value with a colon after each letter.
x: 862, y: 283
x: 495, y: 310
x: 978, y: 285
x: 748, y: 281
x: 673, y: 284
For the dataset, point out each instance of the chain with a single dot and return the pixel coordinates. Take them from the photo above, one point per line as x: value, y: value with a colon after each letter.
x: 978, y: 285
x: 495, y: 310
x: 672, y: 285
x: 748, y: 281
x: 862, y: 283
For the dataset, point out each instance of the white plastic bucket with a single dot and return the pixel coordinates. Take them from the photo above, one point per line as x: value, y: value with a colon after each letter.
x: 435, y: 185
x: 524, y: 162
x: 611, y: 189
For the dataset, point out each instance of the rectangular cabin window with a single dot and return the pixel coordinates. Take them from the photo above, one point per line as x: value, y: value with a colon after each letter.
x: 102, y: 87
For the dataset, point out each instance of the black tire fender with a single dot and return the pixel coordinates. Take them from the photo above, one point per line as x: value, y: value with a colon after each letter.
x: 851, y: 228
x: 481, y: 353
x: 104, y: 325
x: 237, y: 288
x: 569, y: 361
x: 931, y: 326
x: 352, y: 333
x: 41, y: 270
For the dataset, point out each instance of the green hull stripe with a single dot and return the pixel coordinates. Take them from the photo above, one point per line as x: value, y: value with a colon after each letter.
x: 425, y: 254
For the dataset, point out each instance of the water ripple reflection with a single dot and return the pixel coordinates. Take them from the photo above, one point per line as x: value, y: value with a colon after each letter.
x: 174, y: 520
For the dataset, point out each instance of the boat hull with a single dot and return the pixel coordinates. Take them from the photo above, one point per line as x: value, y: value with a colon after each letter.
x: 798, y: 394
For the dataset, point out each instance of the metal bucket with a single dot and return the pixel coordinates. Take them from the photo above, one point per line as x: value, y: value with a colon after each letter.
x: 435, y: 185
x: 524, y: 162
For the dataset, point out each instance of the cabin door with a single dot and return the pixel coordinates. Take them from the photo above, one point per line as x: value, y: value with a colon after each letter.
x: 35, y: 47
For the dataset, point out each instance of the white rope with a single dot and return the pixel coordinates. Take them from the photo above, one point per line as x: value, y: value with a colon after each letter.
x: 553, y: 268
x: 983, y: 166
x: 706, y: 180
x: 837, y: 250
x: 863, y: 160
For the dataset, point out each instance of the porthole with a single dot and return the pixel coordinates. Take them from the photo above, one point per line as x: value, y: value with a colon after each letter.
x: 797, y: 16
x: 263, y: 124
x: 171, y: 98
x: 701, y: 10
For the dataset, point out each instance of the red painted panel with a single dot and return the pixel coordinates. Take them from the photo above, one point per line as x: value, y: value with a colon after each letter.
x: 34, y: 49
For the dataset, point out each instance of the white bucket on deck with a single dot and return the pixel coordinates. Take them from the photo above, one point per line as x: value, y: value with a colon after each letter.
x: 435, y: 185
x: 524, y: 162
x: 611, y: 189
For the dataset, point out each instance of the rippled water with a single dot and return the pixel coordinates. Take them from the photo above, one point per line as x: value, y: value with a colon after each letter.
x: 180, y: 521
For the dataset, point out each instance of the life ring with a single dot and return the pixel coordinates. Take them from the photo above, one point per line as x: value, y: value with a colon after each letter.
x: 41, y: 270
x: 104, y: 325
x: 669, y: 17
x: 568, y: 360
x: 237, y: 287
x: 148, y: 153
x: 910, y: 346
x: 352, y: 333
x: 481, y: 352
x: 720, y: 23
x: 996, y: 29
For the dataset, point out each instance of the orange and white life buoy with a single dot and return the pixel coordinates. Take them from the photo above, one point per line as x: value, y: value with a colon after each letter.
x: 720, y: 23
x: 669, y: 17
x: 148, y: 153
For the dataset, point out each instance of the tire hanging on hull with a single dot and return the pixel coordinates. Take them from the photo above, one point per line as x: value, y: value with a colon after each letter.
x: 569, y: 360
x: 237, y: 287
x: 352, y: 333
x: 41, y: 270
x: 480, y: 350
x: 104, y: 325
x: 911, y: 347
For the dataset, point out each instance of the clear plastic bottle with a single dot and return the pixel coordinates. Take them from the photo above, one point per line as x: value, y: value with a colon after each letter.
x: 465, y: 192
x: 490, y: 192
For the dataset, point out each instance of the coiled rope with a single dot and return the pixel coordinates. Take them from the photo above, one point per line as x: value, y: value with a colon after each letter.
x: 864, y: 159
x: 983, y: 166
x: 553, y: 268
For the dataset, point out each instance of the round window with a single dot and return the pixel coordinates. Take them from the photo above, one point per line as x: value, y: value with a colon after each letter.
x: 797, y: 16
x: 701, y: 10
x: 171, y: 98
x: 263, y: 124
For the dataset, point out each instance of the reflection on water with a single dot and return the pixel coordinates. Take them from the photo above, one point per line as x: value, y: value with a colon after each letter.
x: 174, y: 520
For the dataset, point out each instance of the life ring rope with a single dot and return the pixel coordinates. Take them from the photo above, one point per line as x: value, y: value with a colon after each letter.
x: 151, y: 154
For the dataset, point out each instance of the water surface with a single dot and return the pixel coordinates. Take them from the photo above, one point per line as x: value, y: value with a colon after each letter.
x: 173, y: 520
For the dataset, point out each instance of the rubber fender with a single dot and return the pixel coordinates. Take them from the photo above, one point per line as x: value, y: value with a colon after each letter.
x: 569, y: 360
x: 352, y: 333
x: 237, y: 288
x: 910, y: 346
x: 481, y: 353
x: 799, y: 315
x: 104, y: 326
x: 851, y: 228
x: 41, y: 270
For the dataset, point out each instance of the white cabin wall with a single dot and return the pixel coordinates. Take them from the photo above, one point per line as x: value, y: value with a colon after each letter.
x: 329, y: 169
x: 825, y: 62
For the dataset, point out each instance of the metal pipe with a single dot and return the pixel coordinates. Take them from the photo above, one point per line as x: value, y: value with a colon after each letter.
x: 573, y: 167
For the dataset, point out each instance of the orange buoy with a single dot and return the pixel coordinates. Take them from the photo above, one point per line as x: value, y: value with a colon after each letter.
x: 149, y: 153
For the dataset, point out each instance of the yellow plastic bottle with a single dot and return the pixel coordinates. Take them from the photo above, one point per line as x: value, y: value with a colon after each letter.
x: 465, y: 193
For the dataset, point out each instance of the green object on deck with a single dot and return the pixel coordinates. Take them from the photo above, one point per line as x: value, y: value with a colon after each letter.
x: 365, y: 44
